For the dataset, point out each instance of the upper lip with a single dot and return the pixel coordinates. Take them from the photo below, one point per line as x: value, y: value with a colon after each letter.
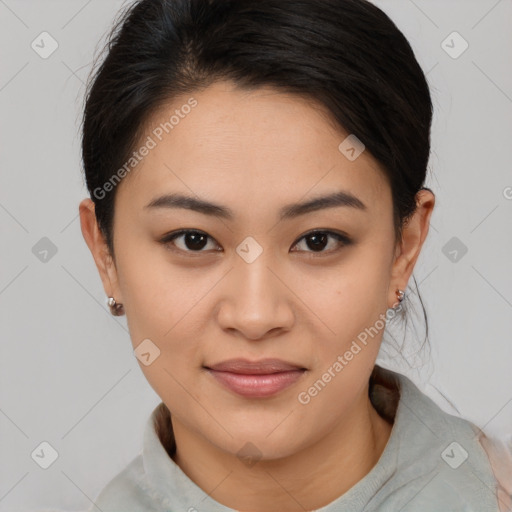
x: 261, y: 367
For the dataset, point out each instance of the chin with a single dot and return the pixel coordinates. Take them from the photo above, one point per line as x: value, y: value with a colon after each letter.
x: 268, y: 443
x: 251, y: 450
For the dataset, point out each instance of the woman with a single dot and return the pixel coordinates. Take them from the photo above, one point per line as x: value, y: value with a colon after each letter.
x: 256, y: 171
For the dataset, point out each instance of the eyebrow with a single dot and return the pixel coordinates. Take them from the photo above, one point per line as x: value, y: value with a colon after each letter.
x: 336, y: 199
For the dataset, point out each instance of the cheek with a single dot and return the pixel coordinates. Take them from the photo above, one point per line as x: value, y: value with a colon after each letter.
x: 349, y: 296
x: 162, y: 304
x: 156, y: 293
x: 348, y: 304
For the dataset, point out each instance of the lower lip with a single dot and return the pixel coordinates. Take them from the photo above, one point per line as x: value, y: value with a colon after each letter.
x: 257, y: 386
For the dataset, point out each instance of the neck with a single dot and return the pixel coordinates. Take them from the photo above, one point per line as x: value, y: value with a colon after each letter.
x: 307, y: 480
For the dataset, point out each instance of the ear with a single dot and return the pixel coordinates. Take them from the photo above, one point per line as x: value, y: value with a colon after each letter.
x: 414, y: 233
x: 99, y: 249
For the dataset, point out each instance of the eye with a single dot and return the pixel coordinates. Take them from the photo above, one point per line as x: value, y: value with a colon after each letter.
x: 191, y: 240
x: 317, y: 241
x: 195, y: 241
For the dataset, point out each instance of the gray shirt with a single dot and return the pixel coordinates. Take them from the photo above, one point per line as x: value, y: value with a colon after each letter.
x: 432, y: 462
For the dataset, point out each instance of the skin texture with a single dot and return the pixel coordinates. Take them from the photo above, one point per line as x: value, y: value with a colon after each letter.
x: 254, y: 152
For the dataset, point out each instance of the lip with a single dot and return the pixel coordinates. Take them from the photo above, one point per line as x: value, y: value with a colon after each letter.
x: 256, y: 379
x: 261, y: 367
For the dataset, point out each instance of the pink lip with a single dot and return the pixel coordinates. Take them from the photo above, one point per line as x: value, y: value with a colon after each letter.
x: 256, y: 379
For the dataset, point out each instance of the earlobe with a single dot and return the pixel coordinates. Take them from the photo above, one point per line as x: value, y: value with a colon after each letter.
x: 97, y: 245
x: 414, y: 233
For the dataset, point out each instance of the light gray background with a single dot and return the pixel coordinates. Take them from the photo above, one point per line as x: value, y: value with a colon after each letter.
x: 67, y: 372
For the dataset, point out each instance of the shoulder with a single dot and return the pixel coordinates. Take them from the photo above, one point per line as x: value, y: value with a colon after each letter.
x: 439, y: 460
x: 125, y: 491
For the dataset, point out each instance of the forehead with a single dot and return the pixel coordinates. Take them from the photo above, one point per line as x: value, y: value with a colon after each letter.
x: 249, y: 147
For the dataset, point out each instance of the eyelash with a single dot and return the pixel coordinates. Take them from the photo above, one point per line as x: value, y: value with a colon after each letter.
x: 168, y: 240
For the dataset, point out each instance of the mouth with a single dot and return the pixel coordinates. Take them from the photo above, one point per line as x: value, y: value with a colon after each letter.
x: 256, y: 379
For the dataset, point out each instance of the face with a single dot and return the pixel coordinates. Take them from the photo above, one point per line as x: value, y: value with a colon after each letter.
x: 249, y: 279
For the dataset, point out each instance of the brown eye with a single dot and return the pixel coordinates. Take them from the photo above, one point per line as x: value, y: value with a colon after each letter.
x: 317, y: 241
x: 189, y: 240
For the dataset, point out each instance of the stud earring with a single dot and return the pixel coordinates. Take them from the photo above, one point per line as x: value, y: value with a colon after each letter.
x: 400, y: 295
x: 115, y: 308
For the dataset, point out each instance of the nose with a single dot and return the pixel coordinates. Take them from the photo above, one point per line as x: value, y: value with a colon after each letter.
x: 256, y: 301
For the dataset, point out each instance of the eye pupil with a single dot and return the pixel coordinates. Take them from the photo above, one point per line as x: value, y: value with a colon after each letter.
x: 319, y: 241
x: 195, y: 240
